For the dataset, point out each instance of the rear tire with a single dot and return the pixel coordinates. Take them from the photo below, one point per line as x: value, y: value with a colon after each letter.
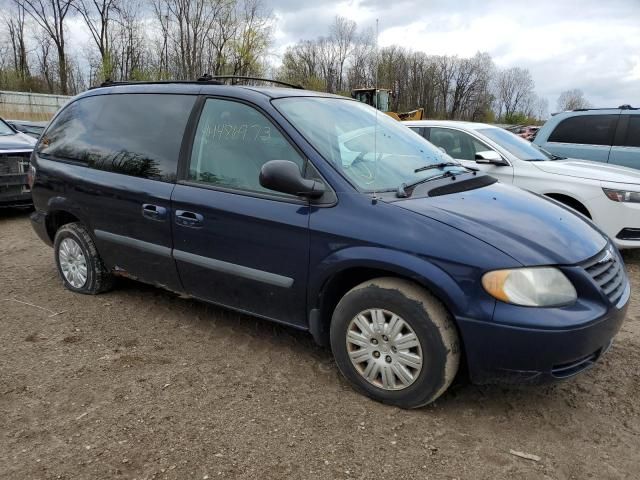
x: 395, y: 342
x: 79, y: 264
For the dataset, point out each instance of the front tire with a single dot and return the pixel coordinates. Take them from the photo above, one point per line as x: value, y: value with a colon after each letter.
x: 79, y: 264
x: 395, y: 342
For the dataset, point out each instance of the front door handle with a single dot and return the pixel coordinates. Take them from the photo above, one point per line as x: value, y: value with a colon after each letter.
x: 189, y: 219
x: 154, y: 212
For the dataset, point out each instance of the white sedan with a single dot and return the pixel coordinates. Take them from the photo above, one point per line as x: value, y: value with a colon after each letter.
x: 607, y: 194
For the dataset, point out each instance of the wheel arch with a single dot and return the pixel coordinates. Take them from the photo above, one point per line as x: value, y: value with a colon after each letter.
x: 56, y: 219
x: 571, y: 202
x: 344, y: 270
x: 60, y: 211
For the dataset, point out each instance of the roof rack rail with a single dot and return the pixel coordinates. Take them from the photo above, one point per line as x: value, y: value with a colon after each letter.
x: 111, y: 83
x: 621, y: 107
x: 207, y: 78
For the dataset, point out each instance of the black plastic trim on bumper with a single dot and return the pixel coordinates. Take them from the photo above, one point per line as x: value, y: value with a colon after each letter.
x: 629, y: 234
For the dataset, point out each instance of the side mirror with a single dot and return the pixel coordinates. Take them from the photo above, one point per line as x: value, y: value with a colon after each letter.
x: 284, y: 176
x: 490, y: 157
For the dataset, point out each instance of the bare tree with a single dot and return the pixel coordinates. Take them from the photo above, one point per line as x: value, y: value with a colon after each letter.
x: 188, y: 28
x: 130, y: 45
x: 222, y: 36
x: 514, y: 92
x: 45, y: 65
x: 50, y: 15
x: 343, y: 33
x: 572, y: 100
x: 98, y: 16
x: 253, y: 37
x: 16, y: 29
x: 541, y: 111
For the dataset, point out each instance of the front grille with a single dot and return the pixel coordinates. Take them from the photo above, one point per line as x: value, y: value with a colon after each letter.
x: 14, y: 163
x: 607, y: 271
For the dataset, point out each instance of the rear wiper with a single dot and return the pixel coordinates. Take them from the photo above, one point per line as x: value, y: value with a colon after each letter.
x: 437, y: 165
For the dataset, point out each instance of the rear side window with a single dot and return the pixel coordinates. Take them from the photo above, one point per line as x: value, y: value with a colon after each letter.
x: 633, y: 132
x: 133, y: 134
x: 586, y: 129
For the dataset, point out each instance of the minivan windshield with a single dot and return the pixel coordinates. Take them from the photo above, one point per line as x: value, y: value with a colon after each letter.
x: 518, y: 146
x: 5, y: 129
x: 374, y: 151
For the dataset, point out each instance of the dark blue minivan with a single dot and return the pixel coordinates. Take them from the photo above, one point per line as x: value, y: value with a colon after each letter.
x: 322, y: 213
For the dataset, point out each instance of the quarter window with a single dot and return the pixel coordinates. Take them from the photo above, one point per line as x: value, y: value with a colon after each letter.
x: 586, y: 129
x: 133, y: 134
x: 633, y: 132
x: 233, y: 141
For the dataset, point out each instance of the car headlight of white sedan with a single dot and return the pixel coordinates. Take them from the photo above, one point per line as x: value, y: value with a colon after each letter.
x: 622, y: 195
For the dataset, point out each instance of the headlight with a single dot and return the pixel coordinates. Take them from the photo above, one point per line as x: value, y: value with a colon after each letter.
x: 622, y: 195
x: 530, y: 287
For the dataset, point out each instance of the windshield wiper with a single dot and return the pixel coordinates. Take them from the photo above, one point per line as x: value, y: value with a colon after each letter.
x: 437, y: 165
x: 401, y: 192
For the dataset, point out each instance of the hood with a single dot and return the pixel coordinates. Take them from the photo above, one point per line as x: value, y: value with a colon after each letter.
x: 529, y: 228
x: 591, y: 170
x: 18, y: 141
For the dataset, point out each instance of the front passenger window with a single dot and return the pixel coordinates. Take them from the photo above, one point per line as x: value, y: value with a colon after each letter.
x: 457, y: 144
x: 232, y: 142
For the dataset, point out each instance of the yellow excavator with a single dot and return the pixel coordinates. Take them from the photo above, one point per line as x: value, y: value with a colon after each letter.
x: 379, y: 98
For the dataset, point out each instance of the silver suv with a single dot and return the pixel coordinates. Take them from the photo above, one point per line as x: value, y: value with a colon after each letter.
x: 610, y: 135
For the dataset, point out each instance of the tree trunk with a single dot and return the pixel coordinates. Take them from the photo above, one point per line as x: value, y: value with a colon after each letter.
x: 62, y: 67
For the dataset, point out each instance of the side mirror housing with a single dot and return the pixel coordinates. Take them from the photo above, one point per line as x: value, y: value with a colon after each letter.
x: 490, y: 157
x: 284, y: 176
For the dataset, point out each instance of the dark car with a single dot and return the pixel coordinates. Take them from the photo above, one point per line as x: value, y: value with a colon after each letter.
x: 315, y: 211
x: 33, y: 129
x: 15, y: 150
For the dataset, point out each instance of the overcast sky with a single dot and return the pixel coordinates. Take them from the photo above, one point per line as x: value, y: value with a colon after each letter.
x: 587, y: 44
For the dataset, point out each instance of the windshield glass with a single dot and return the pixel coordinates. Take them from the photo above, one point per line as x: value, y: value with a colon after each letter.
x: 516, y: 145
x: 5, y: 129
x: 373, y: 154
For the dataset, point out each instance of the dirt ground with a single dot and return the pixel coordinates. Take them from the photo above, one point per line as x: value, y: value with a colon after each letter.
x: 139, y: 383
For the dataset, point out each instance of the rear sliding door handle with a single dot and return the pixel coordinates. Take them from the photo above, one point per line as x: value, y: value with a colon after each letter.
x: 189, y: 219
x: 154, y: 212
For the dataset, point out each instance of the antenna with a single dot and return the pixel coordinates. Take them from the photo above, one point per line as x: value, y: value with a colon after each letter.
x: 375, y: 128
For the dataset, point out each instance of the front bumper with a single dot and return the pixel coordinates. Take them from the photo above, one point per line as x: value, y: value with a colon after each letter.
x: 499, y: 353
x: 39, y: 224
x: 616, y: 217
x: 12, y: 197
